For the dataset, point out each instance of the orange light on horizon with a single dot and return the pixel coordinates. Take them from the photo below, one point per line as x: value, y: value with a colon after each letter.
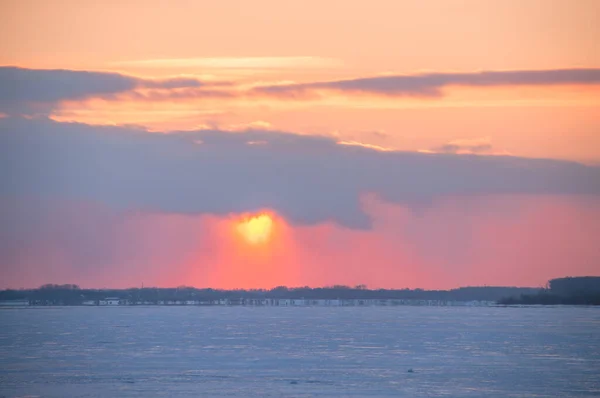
x: 256, y: 229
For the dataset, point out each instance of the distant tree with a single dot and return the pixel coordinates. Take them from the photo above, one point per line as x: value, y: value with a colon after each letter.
x: 568, y: 291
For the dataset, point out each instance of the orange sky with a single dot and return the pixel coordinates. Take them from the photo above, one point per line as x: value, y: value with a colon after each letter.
x: 249, y: 44
x: 267, y: 41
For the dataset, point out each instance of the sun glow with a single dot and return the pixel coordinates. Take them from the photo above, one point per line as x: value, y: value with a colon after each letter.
x: 256, y: 229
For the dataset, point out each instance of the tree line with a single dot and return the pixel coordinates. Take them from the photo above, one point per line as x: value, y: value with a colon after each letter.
x: 583, y: 290
x: 74, y: 295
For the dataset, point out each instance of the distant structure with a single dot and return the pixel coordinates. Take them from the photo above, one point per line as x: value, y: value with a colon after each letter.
x: 111, y: 301
x: 14, y: 303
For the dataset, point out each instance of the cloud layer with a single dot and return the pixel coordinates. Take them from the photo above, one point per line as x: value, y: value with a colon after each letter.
x: 431, y: 84
x: 306, y: 179
x: 31, y: 90
x: 37, y: 91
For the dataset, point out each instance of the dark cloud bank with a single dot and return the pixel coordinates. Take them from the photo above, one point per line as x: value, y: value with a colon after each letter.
x: 26, y: 91
x: 306, y: 179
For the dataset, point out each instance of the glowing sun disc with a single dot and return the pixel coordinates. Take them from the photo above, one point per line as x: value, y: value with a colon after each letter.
x: 256, y: 229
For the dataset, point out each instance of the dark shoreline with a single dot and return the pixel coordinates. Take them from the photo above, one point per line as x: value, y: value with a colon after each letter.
x: 73, y: 295
x: 561, y: 291
x: 583, y: 290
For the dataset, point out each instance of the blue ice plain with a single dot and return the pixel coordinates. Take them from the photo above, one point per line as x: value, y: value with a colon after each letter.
x: 300, y: 352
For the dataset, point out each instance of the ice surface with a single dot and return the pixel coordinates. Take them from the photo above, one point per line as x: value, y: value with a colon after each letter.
x: 300, y: 352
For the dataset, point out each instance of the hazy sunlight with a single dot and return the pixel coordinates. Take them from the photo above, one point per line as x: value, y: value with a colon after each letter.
x: 256, y: 229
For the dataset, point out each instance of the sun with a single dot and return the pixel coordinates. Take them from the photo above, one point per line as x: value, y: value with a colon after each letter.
x: 256, y: 229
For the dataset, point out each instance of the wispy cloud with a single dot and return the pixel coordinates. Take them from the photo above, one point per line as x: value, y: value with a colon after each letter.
x: 365, y: 145
x: 468, y: 146
x: 431, y: 84
x: 26, y: 91
x: 41, y: 92
x: 302, y: 62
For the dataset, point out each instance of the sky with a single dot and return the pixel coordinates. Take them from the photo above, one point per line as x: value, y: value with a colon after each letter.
x: 236, y: 144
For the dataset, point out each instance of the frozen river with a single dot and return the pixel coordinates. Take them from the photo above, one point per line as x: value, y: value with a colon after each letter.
x: 300, y: 352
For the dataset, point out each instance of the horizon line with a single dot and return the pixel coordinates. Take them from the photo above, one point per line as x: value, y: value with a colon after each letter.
x: 343, y: 287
